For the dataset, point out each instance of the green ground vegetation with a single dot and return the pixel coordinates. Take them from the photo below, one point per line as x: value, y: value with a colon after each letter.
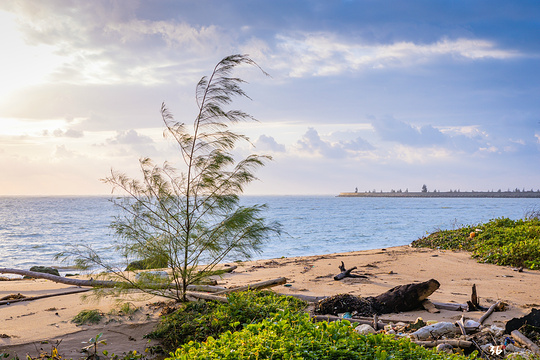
x: 88, y: 317
x: 196, y: 321
x: 264, y: 325
x: 293, y: 335
x: 500, y: 241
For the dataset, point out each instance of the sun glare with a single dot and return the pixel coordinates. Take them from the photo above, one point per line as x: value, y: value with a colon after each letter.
x: 21, y: 64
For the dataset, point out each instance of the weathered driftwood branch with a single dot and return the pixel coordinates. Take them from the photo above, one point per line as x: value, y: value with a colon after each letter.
x: 450, y: 306
x: 60, y: 279
x: 255, y: 286
x: 347, y: 273
x: 523, y: 340
x: 206, y: 288
x: 430, y: 307
x: 456, y: 343
x: 474, y: 304
x: 4, y: 302
x: 488, y: 312
x: 330, y: 318
x: 204, y: 296
x: 461, y: 325
x: 307, y: 298
x: 98, y: 283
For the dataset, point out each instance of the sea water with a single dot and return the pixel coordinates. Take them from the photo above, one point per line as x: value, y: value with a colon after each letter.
x: 34, y: 229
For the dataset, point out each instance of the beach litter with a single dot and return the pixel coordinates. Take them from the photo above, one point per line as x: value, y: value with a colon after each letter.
x: 520, y: 336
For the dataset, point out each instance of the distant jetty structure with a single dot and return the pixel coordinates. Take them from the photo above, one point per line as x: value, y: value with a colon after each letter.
x: 446, y: 194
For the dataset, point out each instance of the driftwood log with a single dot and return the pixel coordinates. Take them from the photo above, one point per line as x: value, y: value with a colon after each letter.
x: 525, y: 341
x: 473, y: 304
x: 347, y: 273
x: 59, y: 279
x: 430, y: 307
x: 31, y: 298
x: 255, y: 286
x: 464, y: 344
x: 400, y: 298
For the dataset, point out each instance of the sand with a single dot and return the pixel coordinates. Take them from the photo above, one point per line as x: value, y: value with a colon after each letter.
x: 27, y: 327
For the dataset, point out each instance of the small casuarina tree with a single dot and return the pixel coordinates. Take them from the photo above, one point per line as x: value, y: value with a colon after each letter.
x: 190, y: 221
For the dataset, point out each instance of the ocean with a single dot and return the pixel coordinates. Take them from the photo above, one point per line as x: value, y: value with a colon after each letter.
x: 34, y: 229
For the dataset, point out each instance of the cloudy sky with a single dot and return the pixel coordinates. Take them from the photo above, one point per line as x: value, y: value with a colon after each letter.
x: 370, y: 94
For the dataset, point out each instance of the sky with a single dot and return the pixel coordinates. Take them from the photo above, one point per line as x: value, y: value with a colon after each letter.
x: 368, y: 94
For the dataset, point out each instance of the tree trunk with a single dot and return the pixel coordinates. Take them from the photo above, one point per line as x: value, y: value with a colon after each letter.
x: 60, y: 279
x: 405, y: 297
x: 400, y: 298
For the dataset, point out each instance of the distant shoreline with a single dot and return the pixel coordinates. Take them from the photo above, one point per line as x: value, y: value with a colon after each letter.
x: 446, y: 194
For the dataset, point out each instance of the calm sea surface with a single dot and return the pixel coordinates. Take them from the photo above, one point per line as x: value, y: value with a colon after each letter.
x: 34, y: 229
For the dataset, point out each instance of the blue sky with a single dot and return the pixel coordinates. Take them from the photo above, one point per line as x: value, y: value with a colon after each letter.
x: 370, y: 94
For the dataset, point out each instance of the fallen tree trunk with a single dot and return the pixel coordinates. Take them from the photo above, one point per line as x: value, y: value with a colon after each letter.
x: 400, y: 298
x: 77, y: 291
x: 306, y: 298
x: 204, y: 296
x: 60, y: 279
x: 405, y: 297
x: 255, y: 286
x: 206, y: 288
x: 97, y: 283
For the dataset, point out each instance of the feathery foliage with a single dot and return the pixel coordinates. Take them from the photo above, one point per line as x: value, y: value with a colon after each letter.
x: 183, y: 220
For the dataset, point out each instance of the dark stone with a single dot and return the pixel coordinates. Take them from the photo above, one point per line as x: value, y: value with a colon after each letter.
x: 533, y: 319
x: 45, y: 270
x: 146, y: 264
x: 136, y: 265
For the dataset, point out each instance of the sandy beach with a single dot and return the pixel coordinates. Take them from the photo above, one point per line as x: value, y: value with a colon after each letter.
x: 28, y: 326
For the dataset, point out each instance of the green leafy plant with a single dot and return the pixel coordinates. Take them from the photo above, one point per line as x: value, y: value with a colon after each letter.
x: 500, y: 241
x: 290, y: 335
x: 183, y: 220
x: 92, y: 348
x: 197, y: 321
x: 88, y: 317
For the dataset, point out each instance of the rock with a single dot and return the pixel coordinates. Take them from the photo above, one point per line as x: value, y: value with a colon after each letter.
x: 364, y: 329
x: 45, y: 270
x: 447, y: 348
x: 147, y: 264
x: 533, y: 318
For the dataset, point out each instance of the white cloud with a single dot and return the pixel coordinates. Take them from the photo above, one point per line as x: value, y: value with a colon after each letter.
x: 62, y: 152
x: 325, y: 54
x: 129, y: 137
x: 71, y: 133
x: 312, y: 143
x: 268, y: 143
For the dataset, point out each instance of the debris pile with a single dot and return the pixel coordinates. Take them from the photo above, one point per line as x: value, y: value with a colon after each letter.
x: 520, y: 338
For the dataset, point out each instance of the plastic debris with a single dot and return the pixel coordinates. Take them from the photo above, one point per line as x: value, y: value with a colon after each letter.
x: 436, y: 330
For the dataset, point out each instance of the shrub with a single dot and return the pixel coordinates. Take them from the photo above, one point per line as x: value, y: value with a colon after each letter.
x: 294, y: 336
x: 87, y: 316
x: 501, y: 241
x: 197, y: 321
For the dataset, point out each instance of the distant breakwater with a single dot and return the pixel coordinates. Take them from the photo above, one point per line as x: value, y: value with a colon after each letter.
x: 446, y: 194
